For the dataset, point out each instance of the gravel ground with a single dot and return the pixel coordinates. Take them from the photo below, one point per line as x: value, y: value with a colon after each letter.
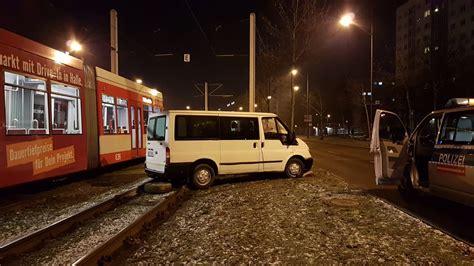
x: 56, y: 204
x: 316, y: 219
x: 71, y: 247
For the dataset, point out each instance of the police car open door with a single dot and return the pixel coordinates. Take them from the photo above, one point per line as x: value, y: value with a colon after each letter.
x: 389, y: 147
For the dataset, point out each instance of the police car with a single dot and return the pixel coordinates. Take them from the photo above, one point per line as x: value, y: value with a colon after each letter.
x: 438, y: 157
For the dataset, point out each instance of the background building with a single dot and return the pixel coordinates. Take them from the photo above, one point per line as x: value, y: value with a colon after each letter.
x: 434, y: 52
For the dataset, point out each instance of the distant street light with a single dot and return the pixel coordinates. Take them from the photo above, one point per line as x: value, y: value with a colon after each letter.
x: 188, y: 107
x: 294, y: 71
x: 269, y: 98
x: 241, y: 108
x: 139, y: 81
x: 329, y: 115
x: 255, y: 105
x: 296, y: 88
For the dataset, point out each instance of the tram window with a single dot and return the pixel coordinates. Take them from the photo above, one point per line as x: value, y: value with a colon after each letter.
x: 122, y: 116
x: 108, y: 114
x: 147, y: 110
x: 26, y: 105
x: 66, y: 104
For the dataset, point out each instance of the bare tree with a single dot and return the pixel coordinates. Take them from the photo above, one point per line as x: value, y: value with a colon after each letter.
x: 287, y: 35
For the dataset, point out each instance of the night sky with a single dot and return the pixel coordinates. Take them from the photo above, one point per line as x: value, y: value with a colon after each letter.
x: 150, y: 29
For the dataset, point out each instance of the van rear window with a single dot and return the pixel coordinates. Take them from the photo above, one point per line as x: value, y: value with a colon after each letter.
x: 196, y: 127
x: 156, y: 128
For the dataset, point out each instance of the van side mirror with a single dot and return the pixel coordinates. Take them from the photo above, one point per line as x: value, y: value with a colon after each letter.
x: 284, y: 138
x: 293, y: 138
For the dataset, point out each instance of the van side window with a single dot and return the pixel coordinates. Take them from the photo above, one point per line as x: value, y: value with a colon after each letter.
x: 239, y: 128
x: 270, y: 128
x: 156, y: 128
x: 196, y: 127
x: 458, y: 128
x: 281, y: 128
x: 391, y: 128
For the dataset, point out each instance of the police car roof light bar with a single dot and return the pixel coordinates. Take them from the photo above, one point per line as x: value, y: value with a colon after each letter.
x: 456, y: 102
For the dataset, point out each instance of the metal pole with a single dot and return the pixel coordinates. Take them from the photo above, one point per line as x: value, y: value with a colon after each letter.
x: 321, y: 114
x: 206, y: 102
x: 371, y: 74
x: 113, y: 42
x: 307, y: 102
x: 292, y: 99
x: 252, y: 64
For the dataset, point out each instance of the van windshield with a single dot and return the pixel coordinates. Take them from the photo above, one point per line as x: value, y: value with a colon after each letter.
x: 157, y: 128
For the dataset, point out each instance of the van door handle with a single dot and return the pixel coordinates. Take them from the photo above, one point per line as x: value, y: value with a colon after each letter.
x: 255, y: 144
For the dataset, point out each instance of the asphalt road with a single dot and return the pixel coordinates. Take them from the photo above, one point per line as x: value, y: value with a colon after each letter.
x: 354, y: 163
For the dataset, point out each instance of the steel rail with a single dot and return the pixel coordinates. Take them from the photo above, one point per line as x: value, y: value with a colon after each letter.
x: 102, y: 254
x: 32, y: 240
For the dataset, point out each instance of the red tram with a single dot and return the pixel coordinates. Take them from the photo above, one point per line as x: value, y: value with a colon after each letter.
x: 60, y: 116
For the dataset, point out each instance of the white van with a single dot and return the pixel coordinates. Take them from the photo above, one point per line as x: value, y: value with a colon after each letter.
x: 198, y: 145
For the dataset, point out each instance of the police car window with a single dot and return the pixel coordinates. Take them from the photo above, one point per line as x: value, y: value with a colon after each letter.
x: 430, y: 126
x: 458, y: 128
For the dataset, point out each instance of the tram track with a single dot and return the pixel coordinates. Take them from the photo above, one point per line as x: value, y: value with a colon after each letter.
x: 34, y: 240
x: 103, y: 253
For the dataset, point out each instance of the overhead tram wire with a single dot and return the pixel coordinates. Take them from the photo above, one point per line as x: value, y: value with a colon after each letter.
x: 200, y: 27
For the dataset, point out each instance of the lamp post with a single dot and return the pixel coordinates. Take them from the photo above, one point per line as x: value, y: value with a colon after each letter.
x: 269, y: 97
x: 346, y: 21
x: 293, y: 89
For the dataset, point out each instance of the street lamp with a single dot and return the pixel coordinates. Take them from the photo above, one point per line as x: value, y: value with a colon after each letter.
x: 269, y: 97
x: 241, y: 108
x: 347, y: 20
x: 188, y: 107
x: 74, y: 46
x: 139, y: 81
x: 296, y: 88
x: 294, y: 71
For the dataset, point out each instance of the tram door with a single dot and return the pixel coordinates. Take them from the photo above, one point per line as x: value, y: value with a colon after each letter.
x: 136, y: 115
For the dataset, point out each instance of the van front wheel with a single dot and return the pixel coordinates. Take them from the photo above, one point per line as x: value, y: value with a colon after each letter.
x: 294, y: 168
x: 203, y: 176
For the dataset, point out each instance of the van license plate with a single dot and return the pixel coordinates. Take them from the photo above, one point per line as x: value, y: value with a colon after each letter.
x: 150, y: 153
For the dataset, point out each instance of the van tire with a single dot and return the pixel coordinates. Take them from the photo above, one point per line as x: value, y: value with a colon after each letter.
x: 202, y: 177
x: 294, y: 168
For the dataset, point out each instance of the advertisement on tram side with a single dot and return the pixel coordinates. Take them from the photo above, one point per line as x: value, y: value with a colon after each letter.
x: 42, y: 128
